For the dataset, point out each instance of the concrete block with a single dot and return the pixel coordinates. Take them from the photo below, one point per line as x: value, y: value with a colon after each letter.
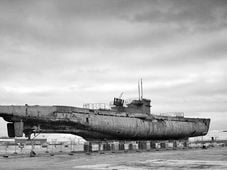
x: 169, y: 145
x: 157, y: 145
x: 95, y: 147
x: 148, y: 145
x: 126, y: 146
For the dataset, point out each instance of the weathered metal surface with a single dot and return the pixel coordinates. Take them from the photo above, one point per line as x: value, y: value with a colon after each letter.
x: 103, y: 124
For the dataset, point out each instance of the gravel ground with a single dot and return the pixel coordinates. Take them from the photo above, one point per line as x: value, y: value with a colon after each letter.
x: 212, y: 158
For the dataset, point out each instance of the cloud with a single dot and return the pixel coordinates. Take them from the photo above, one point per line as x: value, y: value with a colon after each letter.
x: 71, y: 52
x: 188, y: 15
x: 78, y: 24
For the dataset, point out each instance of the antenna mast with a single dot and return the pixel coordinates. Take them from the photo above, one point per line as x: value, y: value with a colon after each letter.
x: 141, y: 81
x: 139, y: 88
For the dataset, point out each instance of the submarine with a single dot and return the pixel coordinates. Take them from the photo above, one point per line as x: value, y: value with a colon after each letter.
x: 123, y: 121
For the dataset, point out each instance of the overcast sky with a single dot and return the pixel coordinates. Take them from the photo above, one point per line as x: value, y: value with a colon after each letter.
x: 71, y: 52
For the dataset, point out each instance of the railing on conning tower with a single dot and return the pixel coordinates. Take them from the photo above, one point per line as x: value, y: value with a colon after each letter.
x: 173, y: 114
x: 96, y: 106
x: 125, y: 103
x: 105, y: 105
x: 128, y: 101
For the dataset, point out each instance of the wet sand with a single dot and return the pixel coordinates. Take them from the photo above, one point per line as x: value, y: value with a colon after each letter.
x: 212, y: 158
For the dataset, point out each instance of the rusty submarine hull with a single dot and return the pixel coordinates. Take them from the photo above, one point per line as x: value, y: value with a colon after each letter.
x: 131, y: 122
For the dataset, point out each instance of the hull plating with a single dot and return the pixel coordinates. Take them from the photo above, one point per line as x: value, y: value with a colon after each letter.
x: 104, y: 124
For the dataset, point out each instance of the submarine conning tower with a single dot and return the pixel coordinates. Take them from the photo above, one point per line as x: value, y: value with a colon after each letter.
x: 139, y: 105
x: 136, y: 106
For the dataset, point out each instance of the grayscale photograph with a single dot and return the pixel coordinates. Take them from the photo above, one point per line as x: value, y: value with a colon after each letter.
x: 113, y: 84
